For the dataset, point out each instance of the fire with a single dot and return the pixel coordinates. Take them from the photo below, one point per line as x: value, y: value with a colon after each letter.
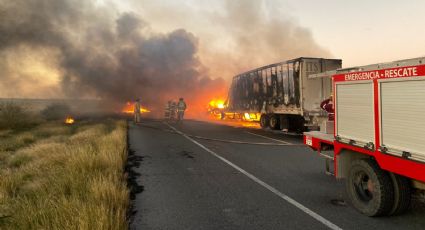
x: 216, y: 108
x: 219, y: 104
x: 69, y: 120
x: 246, y: 115
x: 129, y: 108
x: 218, y: 111
x: 252, y: 116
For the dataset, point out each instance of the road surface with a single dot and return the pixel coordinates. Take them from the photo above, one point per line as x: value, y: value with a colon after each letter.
x: 199, y: 175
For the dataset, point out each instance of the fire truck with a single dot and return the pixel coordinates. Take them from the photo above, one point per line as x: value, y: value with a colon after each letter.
x: 281, y: 96
x: 376, y: 139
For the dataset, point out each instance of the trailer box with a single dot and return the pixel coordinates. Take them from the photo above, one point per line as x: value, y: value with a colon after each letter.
x: 284, y: 91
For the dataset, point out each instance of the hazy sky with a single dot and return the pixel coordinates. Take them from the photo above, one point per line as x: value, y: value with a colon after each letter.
x: 359, y: 32
x: 365, y: 32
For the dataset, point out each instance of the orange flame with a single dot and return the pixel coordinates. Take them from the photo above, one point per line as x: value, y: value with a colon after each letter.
x: 219, y: 104
x: 69, y: 120
x: 218, y: 111
x: 129, y: 108
x: 216, y: 108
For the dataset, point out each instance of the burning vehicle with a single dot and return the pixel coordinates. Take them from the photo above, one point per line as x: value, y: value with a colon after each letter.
x: 280, y: 96
x: 216, y: 108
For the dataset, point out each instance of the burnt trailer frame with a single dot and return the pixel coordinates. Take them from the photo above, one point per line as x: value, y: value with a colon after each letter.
x: 283, y: 93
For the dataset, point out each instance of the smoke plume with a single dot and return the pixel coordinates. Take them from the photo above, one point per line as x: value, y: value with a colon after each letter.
x: 261, y: 32
x: 81, y: 49
x: 96, y: 54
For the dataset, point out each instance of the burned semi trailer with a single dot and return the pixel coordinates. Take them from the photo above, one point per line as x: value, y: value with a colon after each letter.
x: 281, y: 95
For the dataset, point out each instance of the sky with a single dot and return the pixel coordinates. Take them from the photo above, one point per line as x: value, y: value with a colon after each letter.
x: 115, y: 48
x: 360, y: 32
x: 364, y: 32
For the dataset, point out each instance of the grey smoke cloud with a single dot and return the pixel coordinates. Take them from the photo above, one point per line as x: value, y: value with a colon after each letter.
x: 236, y: 35
x: 262, y: 32
x: 103, y: 53
x: 98, y: 51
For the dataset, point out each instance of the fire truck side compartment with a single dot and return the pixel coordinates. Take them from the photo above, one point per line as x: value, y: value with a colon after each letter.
x: 402, y: 108
x: 354, y: 112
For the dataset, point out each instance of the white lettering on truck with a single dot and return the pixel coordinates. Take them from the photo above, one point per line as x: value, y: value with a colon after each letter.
x: 361, y: 76
x: 402, y: 72
x: 390, y: 73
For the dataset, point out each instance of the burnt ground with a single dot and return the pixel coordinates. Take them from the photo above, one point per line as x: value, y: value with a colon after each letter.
x: 176, y: 184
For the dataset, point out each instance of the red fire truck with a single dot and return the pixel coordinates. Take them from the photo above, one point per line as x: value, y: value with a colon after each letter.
x: 376, y: 140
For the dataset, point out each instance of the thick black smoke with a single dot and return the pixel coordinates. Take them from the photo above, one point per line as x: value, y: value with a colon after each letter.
x: 103, y: 53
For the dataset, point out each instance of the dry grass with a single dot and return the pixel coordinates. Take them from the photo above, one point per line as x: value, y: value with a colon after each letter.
x: 13, y: 116
x: 64, y: 177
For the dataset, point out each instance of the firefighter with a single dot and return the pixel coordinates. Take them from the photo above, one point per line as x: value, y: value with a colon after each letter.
x: 167, y: 110
x: 328, y: 106
x: 173, y: 110
x: 181, y: 107
x: 137, y: 111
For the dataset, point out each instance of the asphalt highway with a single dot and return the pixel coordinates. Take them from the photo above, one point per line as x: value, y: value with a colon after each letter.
x: 199, y: 175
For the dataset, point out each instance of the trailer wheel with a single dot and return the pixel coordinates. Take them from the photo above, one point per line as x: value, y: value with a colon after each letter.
x: 402, y: 194
x: 369, y: 188
x: 264, y: 121
x: 274, y: 122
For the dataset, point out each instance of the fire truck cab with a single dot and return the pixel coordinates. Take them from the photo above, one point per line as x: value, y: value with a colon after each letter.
x: 376, y: 139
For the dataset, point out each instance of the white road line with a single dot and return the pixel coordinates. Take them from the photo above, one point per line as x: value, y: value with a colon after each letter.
x: 264, y: 184
x: 284, y: 142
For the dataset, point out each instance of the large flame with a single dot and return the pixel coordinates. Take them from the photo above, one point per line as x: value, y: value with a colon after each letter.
x: 69, y: 120
x: 216, y: 108
x: 217, y: 103
x: 129, y: 108
x: 219, y: 112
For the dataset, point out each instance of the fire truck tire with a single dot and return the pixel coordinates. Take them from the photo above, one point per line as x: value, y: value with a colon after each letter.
x: 402, y: 194
x: 274, y: 122
x: 369, y: 188
x: 264, y: 121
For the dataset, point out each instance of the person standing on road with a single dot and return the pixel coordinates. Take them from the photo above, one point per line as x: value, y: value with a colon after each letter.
x: 181, y: 107
x: 328, y: 106
x: 167, y: 110
x: 137, y: 111
x: 173, y: 110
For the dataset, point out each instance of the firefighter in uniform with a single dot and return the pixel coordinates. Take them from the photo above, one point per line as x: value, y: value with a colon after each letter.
x: 137, y: 111
x: 167, y: 110
x: 173, y: 110
x: 328, y: 106
x: 181, y: 107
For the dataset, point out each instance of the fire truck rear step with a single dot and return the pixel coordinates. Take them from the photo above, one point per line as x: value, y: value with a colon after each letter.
x: 329, y: 159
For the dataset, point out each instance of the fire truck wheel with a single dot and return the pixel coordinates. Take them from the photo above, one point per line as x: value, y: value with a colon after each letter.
x: 274, y: 122
x: 369, y: 188
x: 402, y: 194
x: 264, y: 121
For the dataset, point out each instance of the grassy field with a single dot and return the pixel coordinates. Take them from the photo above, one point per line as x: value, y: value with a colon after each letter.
x: 54, y: 176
